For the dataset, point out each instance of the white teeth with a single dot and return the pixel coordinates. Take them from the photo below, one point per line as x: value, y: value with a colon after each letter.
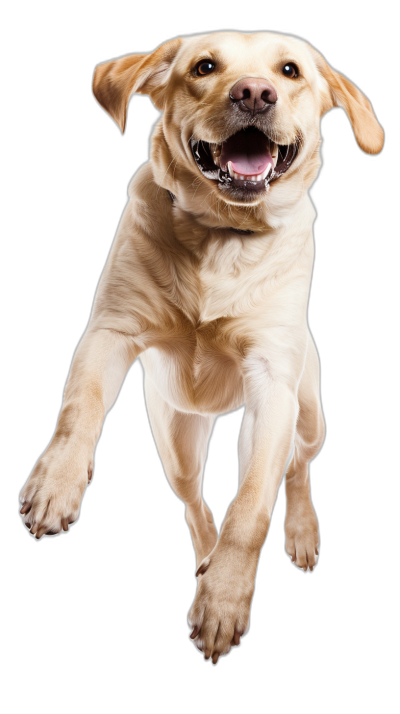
x: 259, y: 177
x: 216, y: 153
x: 274, y: 153
x: 231, y: 171
x: 266, y: 172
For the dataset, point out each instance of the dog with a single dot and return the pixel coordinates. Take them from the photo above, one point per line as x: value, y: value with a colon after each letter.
x: 208, y: 282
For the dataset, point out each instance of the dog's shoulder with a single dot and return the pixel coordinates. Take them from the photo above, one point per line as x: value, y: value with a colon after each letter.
x: 150, y: 205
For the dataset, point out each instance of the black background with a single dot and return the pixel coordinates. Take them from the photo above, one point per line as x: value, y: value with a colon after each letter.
x: 118, y: 586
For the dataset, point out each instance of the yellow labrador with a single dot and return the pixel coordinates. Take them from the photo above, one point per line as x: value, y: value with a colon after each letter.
x: 208, y: 281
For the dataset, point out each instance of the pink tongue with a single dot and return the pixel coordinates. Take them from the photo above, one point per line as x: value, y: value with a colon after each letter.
x: 248, y: 151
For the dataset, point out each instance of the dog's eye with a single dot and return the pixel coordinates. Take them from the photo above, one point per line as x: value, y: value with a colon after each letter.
x: 204, y: 67
x: 290, y: 70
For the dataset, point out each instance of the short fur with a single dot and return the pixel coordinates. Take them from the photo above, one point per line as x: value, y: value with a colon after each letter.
x: 218, y: 316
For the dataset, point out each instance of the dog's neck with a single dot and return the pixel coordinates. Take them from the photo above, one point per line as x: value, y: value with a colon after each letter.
x: 213, y: 271
x: 231, y: 229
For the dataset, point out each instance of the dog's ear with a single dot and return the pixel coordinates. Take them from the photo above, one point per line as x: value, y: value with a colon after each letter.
x: 343, y: 93
x: 115, y: 81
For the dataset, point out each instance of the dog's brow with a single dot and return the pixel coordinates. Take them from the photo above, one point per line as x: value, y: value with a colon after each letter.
x: 284, y: 53
x: 205, y: 53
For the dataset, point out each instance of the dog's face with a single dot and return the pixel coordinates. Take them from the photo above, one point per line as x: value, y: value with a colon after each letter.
x: 241, y: 112
x: 244, y: 109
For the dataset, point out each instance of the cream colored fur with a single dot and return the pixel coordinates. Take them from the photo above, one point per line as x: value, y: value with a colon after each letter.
x: 218, y: 317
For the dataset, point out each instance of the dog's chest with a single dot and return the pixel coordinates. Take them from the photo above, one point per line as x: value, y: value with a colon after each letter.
x: 229, y: 276
x: 199, y: 369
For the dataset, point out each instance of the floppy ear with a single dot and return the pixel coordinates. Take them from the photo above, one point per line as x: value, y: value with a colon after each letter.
x: 115, y: 81
x: 343, y: 93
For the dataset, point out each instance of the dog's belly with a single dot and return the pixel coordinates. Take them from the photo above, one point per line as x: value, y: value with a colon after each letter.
x: 203, y: 383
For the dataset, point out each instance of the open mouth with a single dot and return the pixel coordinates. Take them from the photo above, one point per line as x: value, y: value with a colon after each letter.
x: 247, y: 161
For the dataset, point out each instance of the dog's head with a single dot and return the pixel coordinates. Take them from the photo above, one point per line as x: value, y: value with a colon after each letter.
x: 241, y: 116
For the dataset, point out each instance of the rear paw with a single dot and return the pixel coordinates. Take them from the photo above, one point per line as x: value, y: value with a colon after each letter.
x: 302, y: 542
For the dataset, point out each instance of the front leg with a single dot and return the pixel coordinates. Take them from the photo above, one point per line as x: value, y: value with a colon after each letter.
x: 52, y: 495
x: 220, y: 612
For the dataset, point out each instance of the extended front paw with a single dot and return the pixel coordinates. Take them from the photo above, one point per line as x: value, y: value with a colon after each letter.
x: 221, y: 610
x: 52, y: 495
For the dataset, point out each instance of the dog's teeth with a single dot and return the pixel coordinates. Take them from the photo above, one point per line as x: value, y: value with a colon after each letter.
x: 274, y: 154
x: 241, y: 177
x: 265, y: 173
x: 216, y: 153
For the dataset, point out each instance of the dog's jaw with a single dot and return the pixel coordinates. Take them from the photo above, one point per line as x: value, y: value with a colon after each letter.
x: 245, y: 164
x: 174, y: 168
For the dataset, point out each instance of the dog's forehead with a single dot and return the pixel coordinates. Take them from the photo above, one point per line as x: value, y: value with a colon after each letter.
x: 252, y: 48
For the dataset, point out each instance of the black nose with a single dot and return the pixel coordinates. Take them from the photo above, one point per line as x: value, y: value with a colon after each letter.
x: 253, y: 94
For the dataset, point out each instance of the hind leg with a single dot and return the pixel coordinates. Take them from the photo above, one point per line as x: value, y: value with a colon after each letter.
x: 182, y: 441
x: 301, y: 525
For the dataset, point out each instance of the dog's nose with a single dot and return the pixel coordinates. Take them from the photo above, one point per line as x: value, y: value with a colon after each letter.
x: 252, y: 94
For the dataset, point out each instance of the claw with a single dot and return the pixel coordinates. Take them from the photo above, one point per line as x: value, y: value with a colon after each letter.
x: 195, y: 632
x: 236, y: 638
x: 215, y: 657
x: 40, y: 532
x: 64, y: 523
x: 26, y: 507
